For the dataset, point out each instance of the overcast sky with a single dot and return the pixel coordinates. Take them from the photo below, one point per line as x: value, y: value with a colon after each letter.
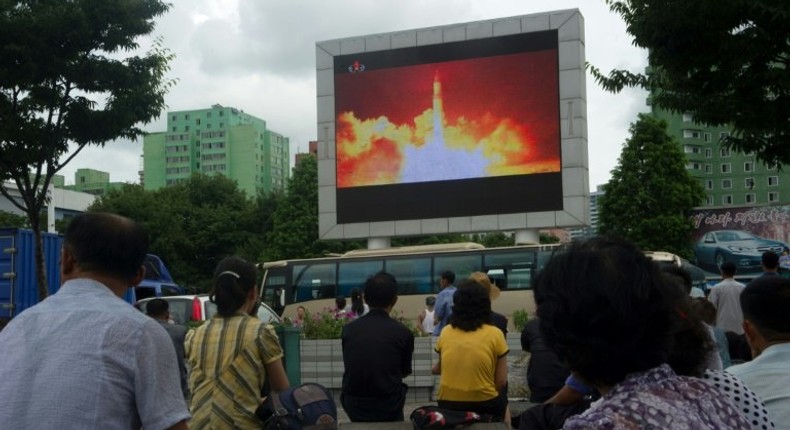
x: 259, y: 56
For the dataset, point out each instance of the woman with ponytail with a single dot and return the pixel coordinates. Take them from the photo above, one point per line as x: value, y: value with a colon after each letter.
x: 233, y: 354
x: 358, y: 305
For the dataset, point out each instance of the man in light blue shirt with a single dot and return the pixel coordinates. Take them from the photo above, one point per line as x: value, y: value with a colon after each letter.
x: 766, y: 304
x: 84, y: 358
x: 444, y: 302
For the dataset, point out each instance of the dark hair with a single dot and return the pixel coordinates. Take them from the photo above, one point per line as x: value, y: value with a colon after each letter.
x: 157, y: 308
x: 234, y: 277
x: 108, y: 244
x: 340, y: 302
x: 704, y: 309
x: 471, y: 306
x: 766, y: 303
x: 693, y: 343
x: 728, y: 269
x: 357, y: 305
x: 770, y: 260
x: 448, y: 275
x: 605, y: 310
x: 681, y: 274
x: 381, y: 290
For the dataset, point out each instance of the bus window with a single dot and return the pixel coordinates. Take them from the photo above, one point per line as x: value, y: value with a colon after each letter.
x: 511, y: 270
x: 316, y: 281
x: 461, y: 265
x: 353, y: 274
x: 413, y: 275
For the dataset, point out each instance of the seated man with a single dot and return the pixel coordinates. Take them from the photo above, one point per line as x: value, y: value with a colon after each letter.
x: 377, y: 355
x: 766, y: 303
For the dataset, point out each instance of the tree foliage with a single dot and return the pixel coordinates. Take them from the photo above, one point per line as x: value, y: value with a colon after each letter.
x: 8, y: 219
x: 63, y: 82
x: 650, y: 194
x: 193, y: 224
x: 725, y: 62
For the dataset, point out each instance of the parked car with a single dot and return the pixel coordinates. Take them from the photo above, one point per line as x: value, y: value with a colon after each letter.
x: 740, y: 247
x: 186, y: 308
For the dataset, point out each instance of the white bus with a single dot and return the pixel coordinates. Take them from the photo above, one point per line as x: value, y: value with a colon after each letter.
x: 314, y: 283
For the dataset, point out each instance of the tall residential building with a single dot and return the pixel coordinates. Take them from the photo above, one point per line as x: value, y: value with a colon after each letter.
x: 729, y: 178
x: 93, y: 181
x: 592, y: 229
x: 218, y: 140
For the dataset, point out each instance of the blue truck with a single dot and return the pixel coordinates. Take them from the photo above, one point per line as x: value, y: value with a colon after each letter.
x: 18, y: 284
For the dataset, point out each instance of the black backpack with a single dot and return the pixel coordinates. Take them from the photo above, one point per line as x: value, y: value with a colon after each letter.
x: 308, y: 406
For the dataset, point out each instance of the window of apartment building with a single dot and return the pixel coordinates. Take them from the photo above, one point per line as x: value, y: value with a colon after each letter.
x: 726, y: 168
x: 723, y: 134
x: 771, y: 167
x: 221, y: 113
x: 691, y: 134
x: 726, y: 199
x: 726, y: 184
x: 773, y: 181
x: 197, y: 121
x: 708, y: 184
x: 773, y: 196
x: 748, y: 166
x: 694, y: 166
x: 222, y: 124
x: 748, y: 183
x: 173, y: 117
x: 186, y: 116
x: 708, y: 152
x: 186, y: 128
x: 706, y: 137
x: 724, y: 152
x: 174, y: 128
x: 208, y: 125
x: 708, y: 200
x: 750, y: 198
x: 208, y: 114
x: 687, y: 117
x: 709, y: 168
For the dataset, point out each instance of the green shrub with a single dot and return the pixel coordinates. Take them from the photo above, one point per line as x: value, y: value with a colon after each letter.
x: 520, y: 318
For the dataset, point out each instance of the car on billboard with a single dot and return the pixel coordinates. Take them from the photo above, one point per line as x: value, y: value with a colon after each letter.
x: 743, y: 248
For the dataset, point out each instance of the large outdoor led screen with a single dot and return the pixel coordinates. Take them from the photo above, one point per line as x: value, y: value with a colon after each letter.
x: 448, y: 130
x: 471, y: 127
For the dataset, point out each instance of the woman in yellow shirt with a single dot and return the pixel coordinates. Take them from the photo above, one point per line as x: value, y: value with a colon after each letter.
x: 472, y: 356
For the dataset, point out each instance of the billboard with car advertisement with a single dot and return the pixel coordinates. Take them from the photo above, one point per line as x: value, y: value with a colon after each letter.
x: 740, y: 235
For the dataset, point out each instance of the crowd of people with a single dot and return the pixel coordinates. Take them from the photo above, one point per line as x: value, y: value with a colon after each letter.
x: 618, y: 343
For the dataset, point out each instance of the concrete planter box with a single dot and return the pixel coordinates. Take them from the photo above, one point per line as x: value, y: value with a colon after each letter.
x: 322, y: 362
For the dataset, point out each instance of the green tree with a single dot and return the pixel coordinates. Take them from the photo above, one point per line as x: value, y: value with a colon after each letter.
x: 651, y: 193
x: 192, y: 225
x: 8, y: 219
x: 64, y: 85
x: 725, y: 62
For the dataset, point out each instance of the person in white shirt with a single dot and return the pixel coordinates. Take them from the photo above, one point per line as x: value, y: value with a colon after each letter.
x: 725, y: 297
x: 425, y: 319
x: 766, y: 305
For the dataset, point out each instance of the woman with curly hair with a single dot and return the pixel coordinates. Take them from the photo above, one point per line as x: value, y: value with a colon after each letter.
x: 472, y: 356
x: 606, y: 310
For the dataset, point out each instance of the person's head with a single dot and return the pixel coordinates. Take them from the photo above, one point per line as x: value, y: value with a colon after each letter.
x: 766, y: 304
x: 158, y: 309
x: 692, y: 341
x: 430, y: 301
x: 770, y: 261
x: 340, y: 302
x: 704, y: 309
x: 105, y: 245
x: 446, y: 278
x: 728, y: 269
x: 471, y: 306
x: 605, y: 310
x: 234, y: 286
x: 357, y: 304
x: 484, y: 280
x: 381, y: 291
x: 300, y: 312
